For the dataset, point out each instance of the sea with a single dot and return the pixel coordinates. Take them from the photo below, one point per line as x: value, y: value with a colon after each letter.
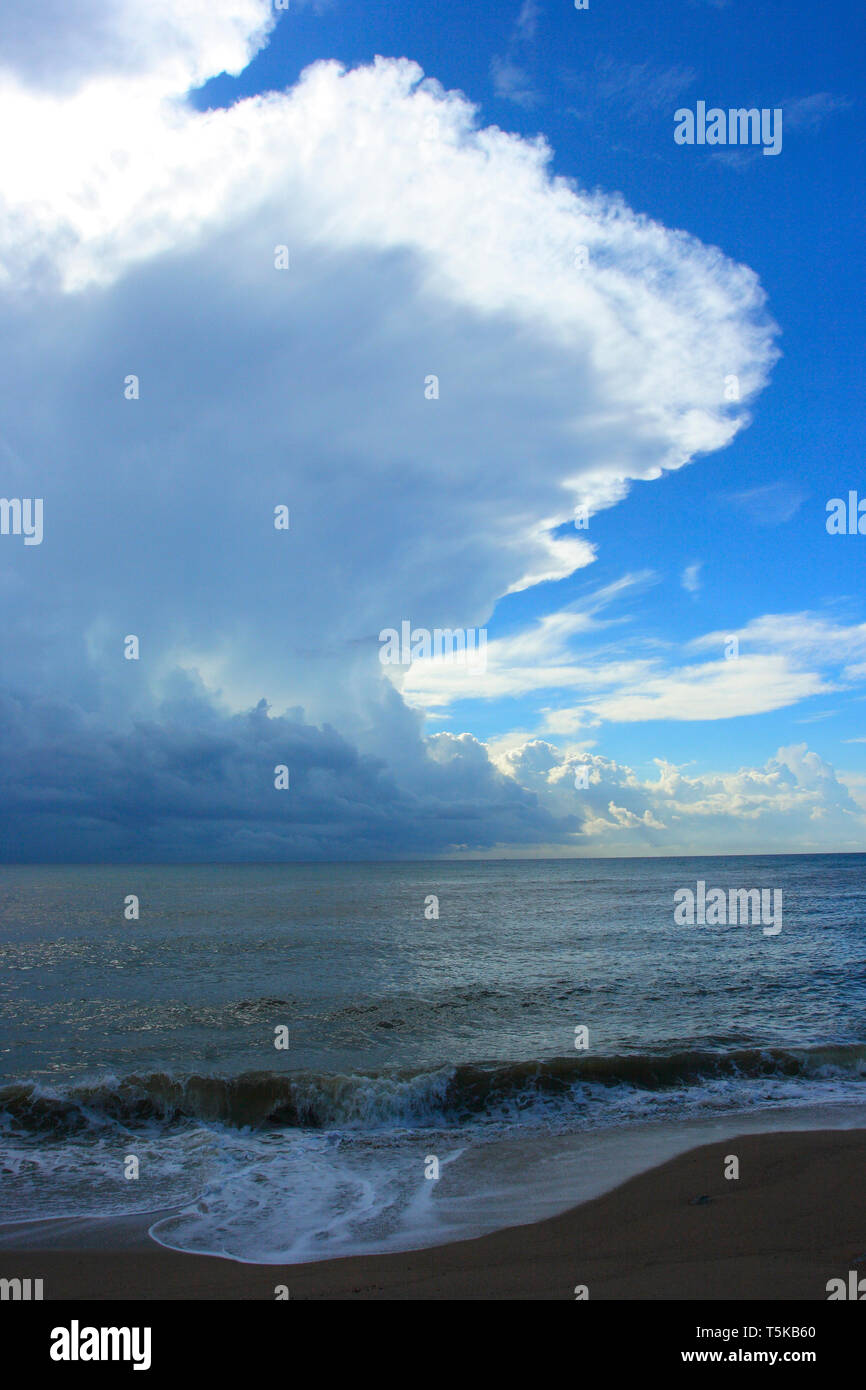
x: 286, y: 1063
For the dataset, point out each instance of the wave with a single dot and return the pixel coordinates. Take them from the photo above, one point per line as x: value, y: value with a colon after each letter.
x: 372, y: 1100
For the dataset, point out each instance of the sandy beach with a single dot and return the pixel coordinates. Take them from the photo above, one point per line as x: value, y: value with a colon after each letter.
x: 795, y: 1218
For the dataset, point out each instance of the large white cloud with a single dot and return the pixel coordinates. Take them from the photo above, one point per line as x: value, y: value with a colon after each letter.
x: 138, y: 237
x: 419, y: 244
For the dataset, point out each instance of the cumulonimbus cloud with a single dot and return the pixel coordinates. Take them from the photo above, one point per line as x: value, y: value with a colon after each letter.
x: 576, y: 345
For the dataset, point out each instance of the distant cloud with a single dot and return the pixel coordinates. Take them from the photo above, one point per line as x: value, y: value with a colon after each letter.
x: 810, y: 113
x: 801, y: 115
x: 511, y: 78
x: 527, y: 20
x: 691, y: 578
x: 772, y: 504
x: 512, y: 83
x: 793, y: 801
x: 176, y: 789
x: 194, y: 783
x: 636, y: 90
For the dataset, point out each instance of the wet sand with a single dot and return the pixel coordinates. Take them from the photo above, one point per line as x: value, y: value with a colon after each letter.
x: 795, y: 1218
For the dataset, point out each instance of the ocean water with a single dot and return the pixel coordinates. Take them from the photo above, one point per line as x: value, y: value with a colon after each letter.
x: 416, y: 1044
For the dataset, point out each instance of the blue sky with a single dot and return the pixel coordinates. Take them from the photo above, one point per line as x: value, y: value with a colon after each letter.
x: 163, y: 157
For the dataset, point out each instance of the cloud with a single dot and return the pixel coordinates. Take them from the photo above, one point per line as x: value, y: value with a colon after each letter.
x: 195, y: 783
x: 61, y: 45
x: 793, y: 802
x: 772, y: 504
x: 527, y: 20
x: 536, y: 658
x: 782, y: 659
x: 691, y: 578
x: 799, y: 115
x: 512, y: 82
x: 636, y: 90
x: 138, y: 237
x: 712, y: 690
x: 810, y: 113
x: 511, y: 78
x: 803, y: 636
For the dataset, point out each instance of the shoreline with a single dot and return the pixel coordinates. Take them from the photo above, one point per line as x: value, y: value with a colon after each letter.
x: 794, y: 1219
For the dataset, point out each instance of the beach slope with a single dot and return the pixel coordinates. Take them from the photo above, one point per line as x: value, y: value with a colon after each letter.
x: 794, y: 1219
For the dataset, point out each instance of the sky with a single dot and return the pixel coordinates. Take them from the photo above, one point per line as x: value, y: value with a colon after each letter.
x: 439, y: 282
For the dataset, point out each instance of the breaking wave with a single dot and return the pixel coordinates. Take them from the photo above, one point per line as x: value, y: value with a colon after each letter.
x: 397, y: 1097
